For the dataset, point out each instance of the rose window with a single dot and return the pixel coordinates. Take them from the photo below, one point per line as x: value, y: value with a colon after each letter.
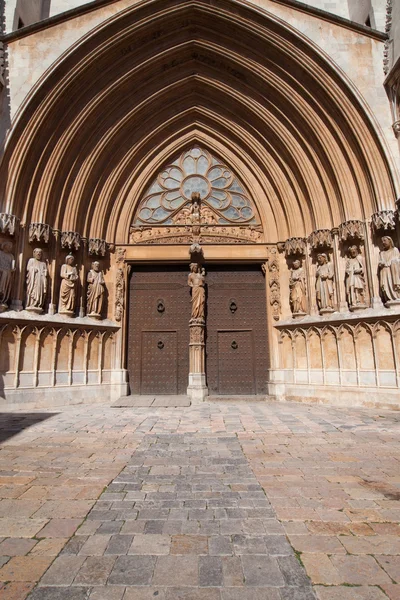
x: 196, y: 170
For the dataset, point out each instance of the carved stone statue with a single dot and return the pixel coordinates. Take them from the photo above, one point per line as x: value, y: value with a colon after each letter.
x: 36, y: 282
x: 355, y: 279
x: 389, y: 271
x: 195, y: 208
x: 7, y: 270
x: 196, y: 281
x: 69, y: 278
x: 298, y: 289
x: 96, y: 291
x: 324, y: 285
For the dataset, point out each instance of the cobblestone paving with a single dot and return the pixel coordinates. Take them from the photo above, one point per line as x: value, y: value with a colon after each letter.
x: 169, y: 503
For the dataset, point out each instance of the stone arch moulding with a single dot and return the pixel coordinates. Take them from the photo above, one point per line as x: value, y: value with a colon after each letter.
x: 138, y: 87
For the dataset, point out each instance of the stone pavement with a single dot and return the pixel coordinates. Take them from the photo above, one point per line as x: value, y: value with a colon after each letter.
x: 168, y: 503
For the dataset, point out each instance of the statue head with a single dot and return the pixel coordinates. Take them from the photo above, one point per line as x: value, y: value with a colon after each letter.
x: 38, y: 253
x: 322, y: 259
x: 6, y: 246
x: 387, y: 242
x: 194, y: 267
x: 296, y: 264
x: 353, y: 251
x: 69, y: 259
x: 96, y: 266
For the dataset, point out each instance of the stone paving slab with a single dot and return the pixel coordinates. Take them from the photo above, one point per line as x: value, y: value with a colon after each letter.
x: 327, y: 493
x: 159, y: 401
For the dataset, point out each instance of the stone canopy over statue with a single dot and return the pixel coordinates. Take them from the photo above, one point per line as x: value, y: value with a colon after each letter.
x: 389, y: 271
x: 196, y: 280
x: 7, y: 270
x: 36, y: 282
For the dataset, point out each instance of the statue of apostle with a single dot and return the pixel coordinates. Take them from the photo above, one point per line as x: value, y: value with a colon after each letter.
x: 7, y: 270
x: 36, y: 282
x: 355, y: 279
x: 95, y: 292
x: 298, y: 289
x: 196, y: 280
x: 69, y: 279
x: 324, y: 284
x: 389, y: 271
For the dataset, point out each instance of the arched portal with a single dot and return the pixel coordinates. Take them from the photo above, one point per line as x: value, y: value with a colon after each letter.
x: 302, y: 153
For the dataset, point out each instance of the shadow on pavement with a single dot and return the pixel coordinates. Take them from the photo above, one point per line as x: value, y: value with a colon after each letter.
x: 13, y: 423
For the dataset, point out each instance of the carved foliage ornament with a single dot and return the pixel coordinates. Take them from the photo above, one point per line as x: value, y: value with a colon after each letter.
x: 294, y: 246
x: 383, y: 220
x: 70, y: 240
x: 39, y: 232
x: 274, y: 284
x: 351, y: 230
x: 8, y: 223
x: 2, y: 66
x: 321, y: 238
x: 388, y: 27
x: 97, y: 247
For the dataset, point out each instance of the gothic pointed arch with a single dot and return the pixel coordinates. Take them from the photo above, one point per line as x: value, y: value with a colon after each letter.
x: 196, y: 188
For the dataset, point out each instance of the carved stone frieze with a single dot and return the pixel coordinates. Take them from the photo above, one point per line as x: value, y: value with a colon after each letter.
x: 383, y: 220
x: 351, y: 230
x: 295, y: 246
x: 8, y: 223
x: 97, y: 247
x: 70, y: 240
x: 209, y: 234
x: 39, y: 232
x: 321, y: 238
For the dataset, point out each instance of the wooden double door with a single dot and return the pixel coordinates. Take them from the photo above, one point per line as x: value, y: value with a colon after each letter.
x: 236, y: 331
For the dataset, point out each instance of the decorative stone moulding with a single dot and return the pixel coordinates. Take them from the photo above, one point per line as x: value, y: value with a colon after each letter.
x: 383, y: 220
x: 2, y: 66
x: 70, y: 240
x: 39, y: 232
x: 351, y: 230
x: 97, y: 247
x: 8, y: 223
x: 388, y: 27
x: 321, y: 238
x: 396, y: 128
x: 295, y: 246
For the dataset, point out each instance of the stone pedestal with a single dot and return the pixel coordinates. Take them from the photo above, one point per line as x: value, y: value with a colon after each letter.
x: 197, y: 389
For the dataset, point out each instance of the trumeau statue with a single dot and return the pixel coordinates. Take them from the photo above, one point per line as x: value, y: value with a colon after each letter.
x: 355, y: 279
x: 196, y: 280
x: 69, y: 278
x: 389, y: 271
x: 7, y: 270
x: 324, y: 284
x: 36, y: 282
x: 298, y: 289
x: 96, y: 291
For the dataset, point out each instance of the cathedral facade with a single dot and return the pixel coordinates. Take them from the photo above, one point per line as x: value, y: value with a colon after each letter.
x: 200, y: 197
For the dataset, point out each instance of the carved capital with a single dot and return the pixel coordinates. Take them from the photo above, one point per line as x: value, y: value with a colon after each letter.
x: 383, y: 220
x: 71, y: 240
x: 321, y: 238
x: 295, y: 246
x: 39, y: 232
x: 97, y: 247
x: 351, y: 230
x: 8, y: 223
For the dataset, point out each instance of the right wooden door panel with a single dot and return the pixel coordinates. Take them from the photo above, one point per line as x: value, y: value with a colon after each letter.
x: 236, y: 375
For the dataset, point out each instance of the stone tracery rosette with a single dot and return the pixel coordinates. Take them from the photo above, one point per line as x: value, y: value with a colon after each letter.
x: 225, y: 211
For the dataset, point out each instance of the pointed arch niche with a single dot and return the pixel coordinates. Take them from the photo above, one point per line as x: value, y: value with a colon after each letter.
x: 168, y: 210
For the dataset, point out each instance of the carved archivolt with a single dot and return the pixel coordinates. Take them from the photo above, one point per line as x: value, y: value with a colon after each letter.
x: 8, y: 223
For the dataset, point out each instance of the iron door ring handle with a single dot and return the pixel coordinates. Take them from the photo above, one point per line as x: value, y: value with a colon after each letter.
x: 160, y: 345
x: 234, y: 345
